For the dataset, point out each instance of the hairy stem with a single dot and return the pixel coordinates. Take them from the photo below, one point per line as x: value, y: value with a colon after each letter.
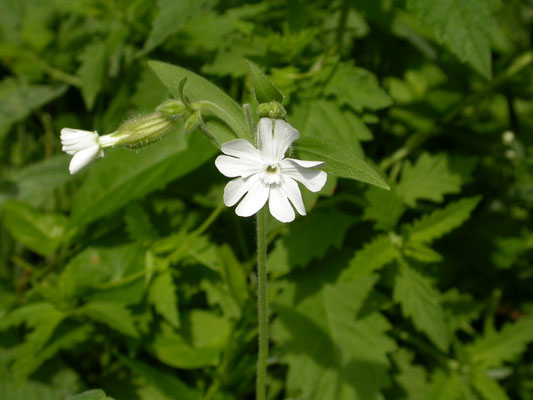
x: 262, y: 304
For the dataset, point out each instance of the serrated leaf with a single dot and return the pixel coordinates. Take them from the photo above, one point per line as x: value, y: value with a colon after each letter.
x: 463, y: 26
x: 171, y: 17
x: 234, y: 274
x: 384, y: 207
x: 114, y: 315
x: 264, y: 90
x: 163, y: 296
x: 198, y: 88
x: 124, y: 175
x: 419, y: 300
x: 411, y: 377
x: 495, y: 348
x: 421, y: 252
x: 445, y: 387
x: 357, y: 88
x: 92, y: 71
x: 40, y: 232
x: 440, y: 222
x: 339, y: 160
x: 487, y: 387
x: 429, y: 178
x: 374, y: 255
x: 306, y: 241
x: 331, y: 353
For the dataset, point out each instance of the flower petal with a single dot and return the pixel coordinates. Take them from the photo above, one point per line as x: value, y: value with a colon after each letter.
x: 74, y: 140
x: 290, y: 188
x: 241, y: 148
x: 254, y: 200
x: 274, y: 143
x: 84, y: 157
x: 313, y: 179
x: 232, y: 167
x: 236, y: 188
x: 279, y: 205
x: 306, y: 164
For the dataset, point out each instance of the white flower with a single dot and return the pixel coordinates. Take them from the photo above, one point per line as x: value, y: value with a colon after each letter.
x: 85, y: 146
x: 265, y: 174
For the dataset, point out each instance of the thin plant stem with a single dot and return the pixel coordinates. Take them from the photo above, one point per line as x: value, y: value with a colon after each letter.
x: 262, y: 305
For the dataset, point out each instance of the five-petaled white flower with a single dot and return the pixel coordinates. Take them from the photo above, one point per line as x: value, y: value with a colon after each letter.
x: 85, y: 146
x: 265, y: 174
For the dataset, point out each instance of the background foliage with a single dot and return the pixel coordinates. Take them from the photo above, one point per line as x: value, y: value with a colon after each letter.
x: 132, y: 276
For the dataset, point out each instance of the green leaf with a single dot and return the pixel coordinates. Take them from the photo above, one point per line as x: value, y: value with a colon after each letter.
x: 198, y: 343
x: 429, y: 178
x: 40, y: 232
x: 412, y: 378
x: 357, y: 88
x: 419, y: 300
x: 18, y: 101
x: 463, y: 26
x: 384, y: 207
x: 171, y: 17
x: 374, y: 255
x: 264, y: 90
x: 306, y: 241
x: 322, y: 118
x: 495, y: 348
x: 35, y: 183
x: 124, y: 175
x: 440, y: 222
x: 332, y: 352
x: 445, y: 387
x: 234, y: 274
x: 138, y: 223
x: 197, y: 89
x: 114, y: 315
x: 95, y: 394
x: 164, y: 381
x: 489, y: 388
x: 339, y: 160
x: 92, y: 72
x: 163, y: 296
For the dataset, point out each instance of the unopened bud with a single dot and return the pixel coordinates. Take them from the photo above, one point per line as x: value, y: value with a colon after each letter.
x: 193, y: 121
x: 138, y: 132
x: 273, y: 110
x: 173, y: 109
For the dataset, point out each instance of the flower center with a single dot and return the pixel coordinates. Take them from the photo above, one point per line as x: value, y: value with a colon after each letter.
x: 271, y: 174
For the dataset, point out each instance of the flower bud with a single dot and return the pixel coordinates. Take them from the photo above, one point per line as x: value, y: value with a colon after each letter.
x: 193, y: 121
x: 172, y: 108
x: 272, y: 110
x: 138, y: 132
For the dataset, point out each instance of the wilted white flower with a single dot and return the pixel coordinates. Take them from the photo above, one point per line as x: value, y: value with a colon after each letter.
x: 265, y: 174
x: 84, y: 146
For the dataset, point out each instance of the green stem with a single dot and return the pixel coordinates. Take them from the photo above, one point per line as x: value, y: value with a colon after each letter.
x: 262, y: 304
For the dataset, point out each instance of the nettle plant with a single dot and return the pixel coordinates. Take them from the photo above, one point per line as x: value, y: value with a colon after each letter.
x: 258, y: 145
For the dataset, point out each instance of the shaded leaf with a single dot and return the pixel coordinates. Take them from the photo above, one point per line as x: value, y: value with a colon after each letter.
x: 264, y: 90
x: 114, y: 315
x: 163, y: 296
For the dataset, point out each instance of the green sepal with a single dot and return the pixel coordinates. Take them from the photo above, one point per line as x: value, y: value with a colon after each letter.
x: 263, y: 88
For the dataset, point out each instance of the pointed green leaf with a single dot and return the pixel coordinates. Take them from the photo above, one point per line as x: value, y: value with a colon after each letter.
x: 487, y: 387
x: 92, y: 72
x: 463, y: 26
x: 429, y: 178
x: 339, y: 160
x: 440, y: 222
x: 264, y: 90
x: 420, y: 301
x: 114, y: 315
x: 494, y: 348
x: 198, y: 88
x: 163, y: 296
